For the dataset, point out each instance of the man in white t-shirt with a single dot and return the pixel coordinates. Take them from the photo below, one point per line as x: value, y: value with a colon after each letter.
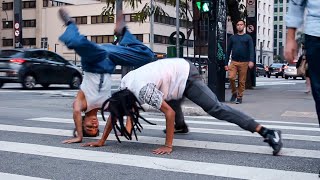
x: 98, y: 62
x: 172, y: 79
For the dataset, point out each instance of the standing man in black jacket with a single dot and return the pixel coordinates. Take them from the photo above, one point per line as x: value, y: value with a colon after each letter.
x: 241, y: 46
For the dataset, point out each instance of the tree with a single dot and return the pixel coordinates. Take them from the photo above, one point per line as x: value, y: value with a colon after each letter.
x: 235, y: 9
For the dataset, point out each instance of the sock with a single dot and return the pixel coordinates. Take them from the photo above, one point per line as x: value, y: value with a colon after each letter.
x: 264, y: 131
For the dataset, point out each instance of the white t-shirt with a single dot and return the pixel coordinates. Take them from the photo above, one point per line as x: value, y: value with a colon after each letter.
x: 168, y: 75
x: 90, y: 87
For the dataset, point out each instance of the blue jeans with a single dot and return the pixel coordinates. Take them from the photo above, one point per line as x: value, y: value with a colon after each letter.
x: 312, y: 45
x: 129, y: 52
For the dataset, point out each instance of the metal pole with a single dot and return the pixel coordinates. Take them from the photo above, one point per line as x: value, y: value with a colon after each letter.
x: 261, y: 45
x: 152, y: 25
x: 187, y: 29
x: 177, y: 27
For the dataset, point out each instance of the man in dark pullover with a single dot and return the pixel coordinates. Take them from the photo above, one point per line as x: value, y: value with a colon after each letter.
x: 241, y: 46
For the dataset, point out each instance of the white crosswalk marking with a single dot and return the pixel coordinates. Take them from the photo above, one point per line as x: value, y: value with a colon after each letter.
x: 155, y: 162
x: 17, y: 177
x: 165, y: 163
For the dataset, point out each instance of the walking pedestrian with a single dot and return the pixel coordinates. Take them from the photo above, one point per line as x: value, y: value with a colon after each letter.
x: 241, y: 46
x: 294, y: 20
x: 175, y: 78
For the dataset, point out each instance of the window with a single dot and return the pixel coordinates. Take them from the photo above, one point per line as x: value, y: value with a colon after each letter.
x: 280, y: 44
x: 280, y: 34
x: 275, y: 34
x: 29, y: 41
x: 264, y: 6
x: 275, y: 18
x: 7, y: 6
x: 45, y: 3
x: 7, y: 42
x: 281, y: 9
x: 81, y: 20
x: 269, y: 19
x: 29, y: 23
x: 264, y: 18
x: 268, y: 44
x: 55, y: 57
x: 259, y: 17
x: 7, y: 24
x: 269, y: 8
x: 102, y: 19
x: 28, y: 4
x: 132, y: 17
x: 268, y: 32
x: 139, y: 37
x: 37, y: 54
x: 259, y: 30
x: 280, y: 27
x: 102, y: 39
x: 281, y: 18
x: 264, y: 31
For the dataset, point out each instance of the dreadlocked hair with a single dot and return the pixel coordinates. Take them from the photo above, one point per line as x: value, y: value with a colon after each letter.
x: 120, y: 104
x: 84, y: 133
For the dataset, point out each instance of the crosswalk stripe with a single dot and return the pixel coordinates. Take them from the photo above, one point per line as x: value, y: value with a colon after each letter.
x: 196, y: 130
x: 260, y: 121
x: 17, y: 177
x: 157, y: 163
x: 230, y: 124
x: 178, y: 142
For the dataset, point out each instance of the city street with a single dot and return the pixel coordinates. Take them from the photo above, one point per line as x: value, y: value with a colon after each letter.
x: 33, y: 123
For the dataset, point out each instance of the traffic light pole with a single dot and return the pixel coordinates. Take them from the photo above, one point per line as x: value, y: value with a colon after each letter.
x: 17, y: 8
x: 217, y: 48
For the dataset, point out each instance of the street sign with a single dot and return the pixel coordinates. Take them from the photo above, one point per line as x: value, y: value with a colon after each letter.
x: 250, y: 2
x: 250, y: 28
x: 251, y: 8
x: 16, y: 25
x: 16, y: 33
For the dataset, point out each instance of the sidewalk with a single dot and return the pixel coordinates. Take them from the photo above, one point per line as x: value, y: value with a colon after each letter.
x: 278, y: 102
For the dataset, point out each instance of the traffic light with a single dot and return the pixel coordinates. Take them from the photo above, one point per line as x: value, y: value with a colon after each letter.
x: 203, y: 6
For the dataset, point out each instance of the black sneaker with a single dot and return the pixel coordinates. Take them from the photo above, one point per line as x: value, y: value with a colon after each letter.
x: 274, y: 139
x: 238, y: 101
x: 233, y: 98
x: 183, y: 130
x: 64, y: 16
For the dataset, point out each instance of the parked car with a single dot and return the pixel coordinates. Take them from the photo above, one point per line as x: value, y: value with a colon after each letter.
x: 276, y: 69
x: 37, y: 66
x: 291, y: 71
x: 260, y: 70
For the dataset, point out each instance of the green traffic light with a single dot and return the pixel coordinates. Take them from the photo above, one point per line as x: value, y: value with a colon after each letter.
x: 203, y: 6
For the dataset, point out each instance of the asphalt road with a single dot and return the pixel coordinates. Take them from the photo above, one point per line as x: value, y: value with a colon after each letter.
x: 33, y: 124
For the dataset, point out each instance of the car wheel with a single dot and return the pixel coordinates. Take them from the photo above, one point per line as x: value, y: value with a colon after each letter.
x: 268, y: 75
x: 286, y: 77
x: 303, y: 78
x: 29, y: 82
x: 1, y: 84
x: 257, y: 74
x: 75, y: 82
x: 45, y: 85
x: 276, y: 76
x: 294, y: 77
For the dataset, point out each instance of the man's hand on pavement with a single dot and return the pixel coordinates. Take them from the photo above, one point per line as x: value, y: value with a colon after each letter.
x: 93, y: 144
x: 163, y: 150
x: 73, y: 140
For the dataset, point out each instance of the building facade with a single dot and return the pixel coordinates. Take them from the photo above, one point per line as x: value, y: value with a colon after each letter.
x: 264, y: 32
x: 41, y: 26
x: 280, y: 10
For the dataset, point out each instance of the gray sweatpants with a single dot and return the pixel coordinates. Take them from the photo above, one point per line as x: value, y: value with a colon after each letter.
x: 199, y: 93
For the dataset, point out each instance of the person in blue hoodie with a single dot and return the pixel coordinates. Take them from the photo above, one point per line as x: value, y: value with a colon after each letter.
x: 295, y: 18
x: 98, y: 63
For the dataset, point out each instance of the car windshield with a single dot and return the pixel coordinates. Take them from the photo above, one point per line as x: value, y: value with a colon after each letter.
x: 277, y: 65
x: 291, y: 65
x: 10, y: 53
